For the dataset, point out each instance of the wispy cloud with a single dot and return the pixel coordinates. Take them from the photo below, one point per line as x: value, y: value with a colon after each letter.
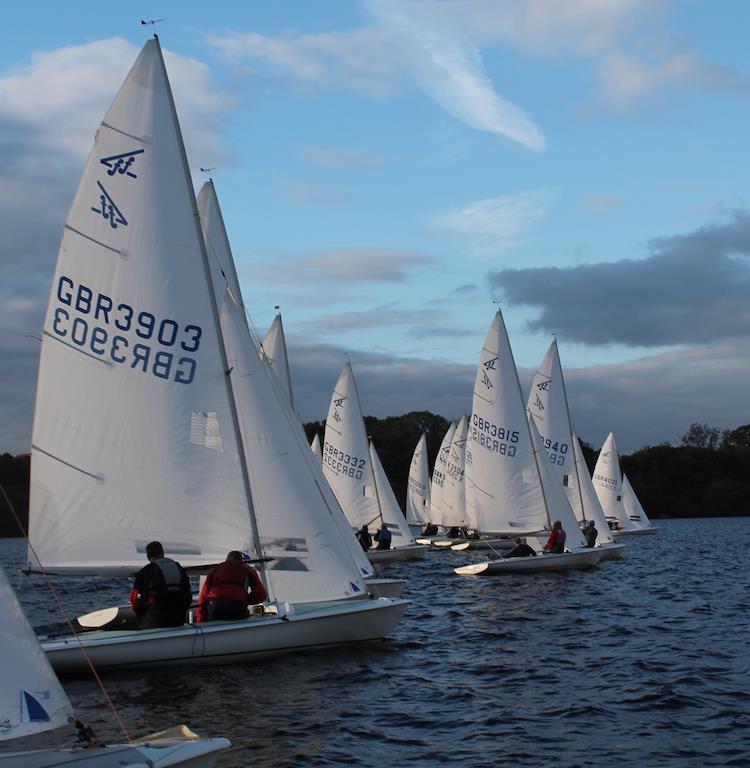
x: 692, y: 288
x: 345, y: 265
x: 497, y: 222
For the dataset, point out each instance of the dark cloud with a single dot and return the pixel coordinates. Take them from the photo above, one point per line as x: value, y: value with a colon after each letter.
x: 692, y: 288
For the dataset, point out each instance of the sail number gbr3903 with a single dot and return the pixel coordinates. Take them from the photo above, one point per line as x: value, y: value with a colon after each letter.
x: 100, y: 326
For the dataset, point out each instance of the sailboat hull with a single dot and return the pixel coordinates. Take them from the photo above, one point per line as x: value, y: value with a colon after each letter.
x: 385, y: 587
x: 635, y: 532
x: 306, y: 626
x: 472, y: 545
x: 197, y: 753
x: 409, y: 552
x: 612, y: 551
x: 564, y: 561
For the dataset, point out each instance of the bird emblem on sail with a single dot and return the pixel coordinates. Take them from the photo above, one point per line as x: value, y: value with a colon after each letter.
x: 543, y: 386
x: 121, y: 163
x: 539, y: 405
x: 109, y: 210
x: 489, y: 365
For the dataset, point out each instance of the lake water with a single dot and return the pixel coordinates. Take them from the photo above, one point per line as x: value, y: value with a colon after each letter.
x: 641, y: 662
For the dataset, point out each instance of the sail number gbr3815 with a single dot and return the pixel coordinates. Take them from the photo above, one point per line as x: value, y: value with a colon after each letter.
x: 124, y: 334
x: 343, y: 463
x: 492, y: 437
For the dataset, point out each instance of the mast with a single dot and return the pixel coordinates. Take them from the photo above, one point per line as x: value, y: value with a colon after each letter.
x: 217, y: 324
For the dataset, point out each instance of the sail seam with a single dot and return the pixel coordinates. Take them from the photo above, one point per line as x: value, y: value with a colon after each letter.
x: 94, y: 240
x: 124, y: 133
x: 66, y: 463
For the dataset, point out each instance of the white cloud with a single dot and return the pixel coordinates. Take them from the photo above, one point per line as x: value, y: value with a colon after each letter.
x: 61, y: 96
x: 498, y: 222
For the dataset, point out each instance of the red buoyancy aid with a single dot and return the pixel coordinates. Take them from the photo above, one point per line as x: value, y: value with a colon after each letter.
x: 556, y: 539
x: 232, y: 580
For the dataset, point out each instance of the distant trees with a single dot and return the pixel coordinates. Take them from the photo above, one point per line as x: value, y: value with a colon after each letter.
x: 14, y: 478
x: 701, y: 436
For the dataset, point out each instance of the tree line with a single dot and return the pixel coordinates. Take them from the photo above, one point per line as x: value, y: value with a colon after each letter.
x: 706, y: 475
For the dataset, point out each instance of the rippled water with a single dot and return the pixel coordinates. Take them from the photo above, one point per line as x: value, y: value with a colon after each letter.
x: 640, y: 662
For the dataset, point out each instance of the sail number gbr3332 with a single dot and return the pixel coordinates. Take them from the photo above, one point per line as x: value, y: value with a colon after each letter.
x: 124, y: 334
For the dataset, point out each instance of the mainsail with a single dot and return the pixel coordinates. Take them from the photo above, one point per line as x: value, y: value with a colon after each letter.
x: 274, y: 349
x: 418, y: 489
x: 508, y: 495
x: 632, y: 505
x: 607, y: 480
x: 438, y: 475
x: 134, y: 435
x: 315, y: 447
x: 454, y: 489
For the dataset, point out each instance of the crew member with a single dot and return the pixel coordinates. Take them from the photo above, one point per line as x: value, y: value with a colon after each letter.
x: 520, y: 549
x: 364, y: 538
x: 161, y: 593
x: 383, y: 537
x: 228, y: 589
x: 556, y: 543
x: 590, y: 533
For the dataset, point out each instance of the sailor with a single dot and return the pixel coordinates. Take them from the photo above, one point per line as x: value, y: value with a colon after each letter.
x: 228, y: 589
x: 364, y: 538
x: 590, y: 533
x: 556, y: 543
x: 383, y: 537
x: 430, y: 529
x: 454, y: 532
x: 520, y: 549
x: 161, y: 593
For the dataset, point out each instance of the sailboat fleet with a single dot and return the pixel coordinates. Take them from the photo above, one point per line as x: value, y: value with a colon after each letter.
x: 160, y: 416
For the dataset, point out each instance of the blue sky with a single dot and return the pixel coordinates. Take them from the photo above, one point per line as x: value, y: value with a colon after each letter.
x: 388, y: 169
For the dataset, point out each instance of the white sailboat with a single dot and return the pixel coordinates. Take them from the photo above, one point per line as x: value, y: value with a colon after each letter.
x: 548, y: 405
x: 454, y: 488
x: 516, y: 492
x: 32, y: 701
x: 438, y: 483
x: 351, y: 471
x: 156, y: 420
x: 315, y: 448
x: 610, y: 487
x: 635, y: 511
x: 418, y: 488
x: 225, y: 280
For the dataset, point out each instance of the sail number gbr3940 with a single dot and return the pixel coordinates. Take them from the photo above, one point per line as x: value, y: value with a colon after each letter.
x: 100, y: 326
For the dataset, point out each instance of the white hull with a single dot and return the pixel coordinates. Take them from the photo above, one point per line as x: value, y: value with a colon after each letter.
x: 311, y: 625
x: 472, y: 545
x: 385, y: 587
x: 636, y: 532
x: 192, y: 753
x: 612, y: 551
x: 566, y: 560
x: 409, y: 552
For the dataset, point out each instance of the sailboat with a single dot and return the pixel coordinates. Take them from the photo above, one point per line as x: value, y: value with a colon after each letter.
x: 516, y: 492
x: 315, y: 448
x: 454, y: 488
x: 33, y: 701
x: 634, y: 510
x: 156, y: 419
x: 548, y: 405
x: 610, y: 486
x: 225, y: 280
x: 418, y: 488
x: 437, y: 482
x: 354, y: 471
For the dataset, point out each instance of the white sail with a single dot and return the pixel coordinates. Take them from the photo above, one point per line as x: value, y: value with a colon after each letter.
x: 438, y: 475
x: 31, y: 697
x: 133, y: 434
x: 558, y: 506
x: 418, y: 489
x: 315, y: 447
x: 390, y: 510
x: 508, y: 497
x: 633, y: 508
x: 346, y: 454
x: 549, y: 405
x: 274, y: 348
x: 607, y: 480
x: 217, y: 246
x: 454, y: 495
x: 593, y: 509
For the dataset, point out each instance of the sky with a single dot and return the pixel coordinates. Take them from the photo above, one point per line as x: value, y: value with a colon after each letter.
x: 391, y: 171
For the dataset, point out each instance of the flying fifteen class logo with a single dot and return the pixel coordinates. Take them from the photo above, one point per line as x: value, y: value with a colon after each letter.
x: 108, y: 209
x: 539, y: 404
x: 339, y: 403
x: 121, y: 163
x: 489, y: 365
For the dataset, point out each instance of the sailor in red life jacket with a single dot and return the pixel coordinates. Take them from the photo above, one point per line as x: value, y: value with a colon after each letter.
x: 556, y: 542
x: 229, y: 588
x: 161, y: 593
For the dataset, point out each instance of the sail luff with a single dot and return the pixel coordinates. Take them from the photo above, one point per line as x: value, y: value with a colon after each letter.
x: 217, y: 325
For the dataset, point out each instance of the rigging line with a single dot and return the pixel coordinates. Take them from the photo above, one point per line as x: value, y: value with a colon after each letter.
x: 66, y: 617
